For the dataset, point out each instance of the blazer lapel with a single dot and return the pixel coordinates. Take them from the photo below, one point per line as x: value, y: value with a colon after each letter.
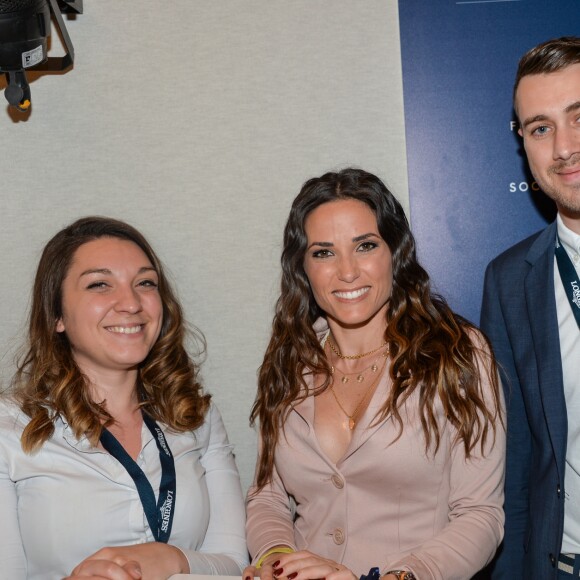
x: 541, y: 305
x: 305, y: 409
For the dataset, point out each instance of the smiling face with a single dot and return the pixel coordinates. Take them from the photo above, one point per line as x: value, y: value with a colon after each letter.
x: 348, y: 265
x: 548, y: 106
x: 112, y: 311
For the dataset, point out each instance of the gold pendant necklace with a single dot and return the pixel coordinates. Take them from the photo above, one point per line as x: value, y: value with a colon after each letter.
x: 360, y: 375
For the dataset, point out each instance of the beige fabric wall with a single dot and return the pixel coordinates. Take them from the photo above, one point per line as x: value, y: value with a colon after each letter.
x: 197, y: 122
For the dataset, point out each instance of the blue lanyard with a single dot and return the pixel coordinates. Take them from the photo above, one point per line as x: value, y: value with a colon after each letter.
x: 569, y: 279
x: 159, y: 514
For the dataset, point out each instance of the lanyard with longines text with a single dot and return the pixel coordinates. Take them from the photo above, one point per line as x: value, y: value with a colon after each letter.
x: 569, y: 279
x: 160, y: 514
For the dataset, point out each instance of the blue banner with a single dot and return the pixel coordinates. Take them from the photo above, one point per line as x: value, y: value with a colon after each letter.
x: 471, y: 193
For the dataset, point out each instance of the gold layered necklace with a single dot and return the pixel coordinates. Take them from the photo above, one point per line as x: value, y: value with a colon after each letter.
x: 374, y: 367
x: 352, y: 416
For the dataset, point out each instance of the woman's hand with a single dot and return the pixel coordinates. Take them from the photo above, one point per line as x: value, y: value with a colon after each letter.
x: 96, y: 569
x: 301, y: 565
x: 151, y: 561
x: 266, y: 571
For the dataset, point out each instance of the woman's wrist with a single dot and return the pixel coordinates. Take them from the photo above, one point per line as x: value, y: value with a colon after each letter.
x: 399, y: 575
x: 266, y: 557
x: 375, y: 574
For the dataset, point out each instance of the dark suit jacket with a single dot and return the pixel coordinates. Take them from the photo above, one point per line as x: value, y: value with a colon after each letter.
x: 519, y: 316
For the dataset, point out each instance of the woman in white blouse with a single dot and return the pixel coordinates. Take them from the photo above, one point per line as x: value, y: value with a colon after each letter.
x: 113, y: 462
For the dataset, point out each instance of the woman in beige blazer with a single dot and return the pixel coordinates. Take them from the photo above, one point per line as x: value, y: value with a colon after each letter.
x: 381, y: 422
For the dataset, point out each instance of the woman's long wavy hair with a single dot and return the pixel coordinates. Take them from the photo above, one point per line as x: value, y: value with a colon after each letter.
x: 48, y: 383
x: 432, y: 349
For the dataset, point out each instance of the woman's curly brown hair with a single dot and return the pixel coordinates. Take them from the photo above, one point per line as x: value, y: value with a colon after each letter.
x: 48, y: 383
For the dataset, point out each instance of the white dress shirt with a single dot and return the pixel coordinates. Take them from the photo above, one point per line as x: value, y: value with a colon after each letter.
x: 569, y: 334
x: 68, y: 500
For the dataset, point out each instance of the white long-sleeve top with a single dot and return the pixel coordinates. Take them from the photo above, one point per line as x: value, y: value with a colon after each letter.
x: 68, y: 500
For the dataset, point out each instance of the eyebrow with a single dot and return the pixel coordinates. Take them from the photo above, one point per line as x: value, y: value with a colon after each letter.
x: 321, y: 244
x: 535, y: 119
x: 573, y: 107
x: 355, y: 239
x: 569, y: 109
x: 365, y: 237
x: 107, y: 272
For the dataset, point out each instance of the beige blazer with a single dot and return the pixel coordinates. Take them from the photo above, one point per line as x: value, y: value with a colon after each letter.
x: 386, y: 503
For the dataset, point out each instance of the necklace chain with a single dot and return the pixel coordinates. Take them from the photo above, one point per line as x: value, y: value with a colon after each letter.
x: 352, y: 356
x: 351, y: 417
x: 360, y: 375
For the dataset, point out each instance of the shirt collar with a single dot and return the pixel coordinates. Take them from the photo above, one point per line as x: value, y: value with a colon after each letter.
x: 84, y: 445
x: 569, y: 239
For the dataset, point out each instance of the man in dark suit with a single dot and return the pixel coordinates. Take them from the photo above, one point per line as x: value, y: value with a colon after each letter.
x: 531, y: 313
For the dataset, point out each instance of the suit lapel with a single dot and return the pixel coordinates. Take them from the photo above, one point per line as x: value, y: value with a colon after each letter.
x: 541, y: 305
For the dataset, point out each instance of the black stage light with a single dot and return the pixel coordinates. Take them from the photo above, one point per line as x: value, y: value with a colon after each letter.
x: 24, y: 30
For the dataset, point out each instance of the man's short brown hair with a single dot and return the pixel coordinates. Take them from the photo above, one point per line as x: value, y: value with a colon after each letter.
x: 548, y: 57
